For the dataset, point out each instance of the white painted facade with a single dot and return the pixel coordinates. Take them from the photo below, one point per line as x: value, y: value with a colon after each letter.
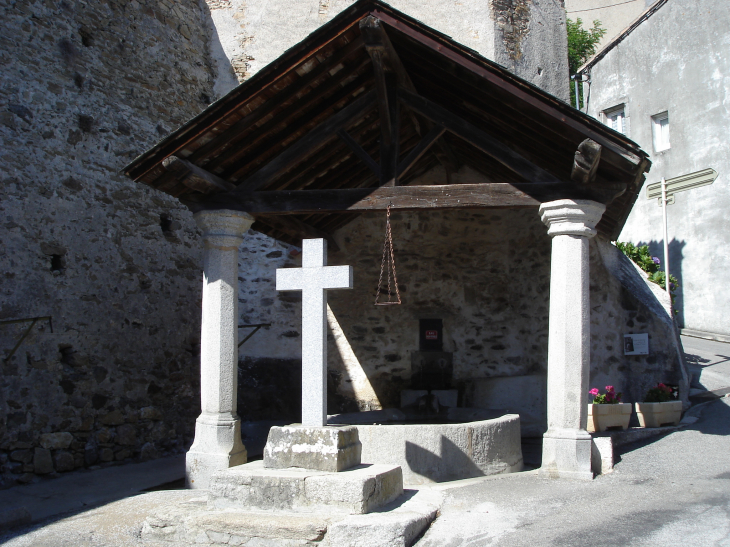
x: 672, y: 81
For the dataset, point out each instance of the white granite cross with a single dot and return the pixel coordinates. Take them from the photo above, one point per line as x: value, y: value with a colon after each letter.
x: 313, y: 279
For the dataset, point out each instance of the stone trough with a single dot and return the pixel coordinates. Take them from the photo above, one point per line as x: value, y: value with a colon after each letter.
x: 460, y: 444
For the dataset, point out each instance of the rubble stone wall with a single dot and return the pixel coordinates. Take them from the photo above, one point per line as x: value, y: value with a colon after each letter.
x: 486, y: 274
x: 84, y: 88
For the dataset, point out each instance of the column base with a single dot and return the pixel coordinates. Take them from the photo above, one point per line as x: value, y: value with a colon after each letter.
x: 566, y: 454
x: 217, y: 446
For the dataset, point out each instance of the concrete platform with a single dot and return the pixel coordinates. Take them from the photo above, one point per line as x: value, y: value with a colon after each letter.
x: 253, y: 487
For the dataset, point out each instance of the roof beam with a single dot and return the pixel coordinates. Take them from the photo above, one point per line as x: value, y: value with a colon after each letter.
x: 359, y: 152
x: 194, y: 177
x: 390, y: 143
x: 479, y: 196
x: 585, y: 166
x: 383, y: 54
x: 585, y: 163
x: 308, y: 144
x: 511, y: 86
x: 475, y: 136
x: 420, y: 149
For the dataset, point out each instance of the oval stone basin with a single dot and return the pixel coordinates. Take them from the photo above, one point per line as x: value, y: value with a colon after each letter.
x: 461, y: 443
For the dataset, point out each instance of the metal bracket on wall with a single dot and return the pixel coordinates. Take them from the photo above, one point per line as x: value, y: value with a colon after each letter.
x: 32, y: 321
x: 254, y: 331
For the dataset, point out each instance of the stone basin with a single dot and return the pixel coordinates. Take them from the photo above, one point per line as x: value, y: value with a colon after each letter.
x: 459, y: 443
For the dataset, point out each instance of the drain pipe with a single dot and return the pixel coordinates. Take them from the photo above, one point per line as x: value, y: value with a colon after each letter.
x: 666, y: 243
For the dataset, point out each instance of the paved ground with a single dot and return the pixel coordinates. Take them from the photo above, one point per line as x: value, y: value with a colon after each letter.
x: 669, y: 491
x: 709, y: 362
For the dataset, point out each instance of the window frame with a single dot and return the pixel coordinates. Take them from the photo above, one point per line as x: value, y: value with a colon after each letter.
x: 607, y: 113
x: 661, y: 138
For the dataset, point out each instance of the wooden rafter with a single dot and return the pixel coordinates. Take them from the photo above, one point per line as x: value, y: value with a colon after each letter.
x: 308, y: 144
x: 281, y: 125
x: 359, y: 152
x: 420, y: 149
x: 194, y: 177
x: 386, y: 58
x: 497, y: 80
x: 475, y: 136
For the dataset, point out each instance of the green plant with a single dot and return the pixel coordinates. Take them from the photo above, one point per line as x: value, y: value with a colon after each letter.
x: 659, y: 394
x: 608, y: 398
x: 650, y: 264
x: 581, y: 46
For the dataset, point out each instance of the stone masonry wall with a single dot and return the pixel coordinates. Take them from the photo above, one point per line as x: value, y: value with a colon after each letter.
x: 84, y: 87
x: 527, y: 37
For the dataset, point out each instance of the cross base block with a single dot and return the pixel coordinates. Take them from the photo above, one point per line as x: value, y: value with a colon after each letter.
x: 317, y: 448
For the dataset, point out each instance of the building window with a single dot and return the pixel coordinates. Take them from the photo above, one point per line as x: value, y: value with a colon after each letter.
x: 660, y: 129
x: 616, y: 118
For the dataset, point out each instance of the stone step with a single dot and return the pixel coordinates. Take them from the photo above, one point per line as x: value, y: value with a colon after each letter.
x: 187, y: 521
x: 253, y: 487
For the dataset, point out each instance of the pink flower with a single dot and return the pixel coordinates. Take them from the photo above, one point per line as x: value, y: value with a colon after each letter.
x: 609, y: 389
x: 593, y: 392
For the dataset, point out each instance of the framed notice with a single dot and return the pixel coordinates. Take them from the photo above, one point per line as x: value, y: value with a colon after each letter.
x: 636, y: 344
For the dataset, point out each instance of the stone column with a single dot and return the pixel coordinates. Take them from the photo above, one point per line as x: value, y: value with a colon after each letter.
x: 217, y: 442
x: 566, y: 444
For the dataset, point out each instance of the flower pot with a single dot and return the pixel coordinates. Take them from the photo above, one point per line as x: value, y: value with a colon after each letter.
x: 603, y: 417
x: 659, y: 414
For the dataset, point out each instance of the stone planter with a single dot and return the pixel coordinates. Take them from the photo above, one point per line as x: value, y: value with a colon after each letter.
x: 659, y: 414
x: 602, y: 417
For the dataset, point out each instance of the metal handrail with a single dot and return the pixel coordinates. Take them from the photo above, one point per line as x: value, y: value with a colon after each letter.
x: 254, y: 331
x: 33, y: 321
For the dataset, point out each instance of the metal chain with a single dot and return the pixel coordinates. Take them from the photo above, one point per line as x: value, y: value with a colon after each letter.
x: 389, y: 263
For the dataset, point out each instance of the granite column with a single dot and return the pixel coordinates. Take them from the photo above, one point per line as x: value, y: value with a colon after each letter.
x: 566, y: 444
x: 217, y: 442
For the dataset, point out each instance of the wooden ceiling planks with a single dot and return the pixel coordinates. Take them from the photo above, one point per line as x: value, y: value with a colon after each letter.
x: 262, y: 135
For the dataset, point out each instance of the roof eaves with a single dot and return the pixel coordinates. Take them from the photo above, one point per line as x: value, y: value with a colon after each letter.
x: 622, y: 36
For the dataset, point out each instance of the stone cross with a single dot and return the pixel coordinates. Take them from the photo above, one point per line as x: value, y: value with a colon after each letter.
x: 313, y: 279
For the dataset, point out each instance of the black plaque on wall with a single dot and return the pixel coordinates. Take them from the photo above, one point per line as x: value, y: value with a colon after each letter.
x: 431, y: 335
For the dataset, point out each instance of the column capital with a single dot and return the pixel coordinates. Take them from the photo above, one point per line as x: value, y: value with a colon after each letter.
x: 223, y: 222
x: 573, y: 217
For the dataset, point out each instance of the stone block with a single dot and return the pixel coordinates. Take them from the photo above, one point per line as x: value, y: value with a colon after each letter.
x: 148, y: 452
x: 150, y: 413
x: 106, y: 454
x: 186, y: 523
x: 42, y: 461
x: 56, y: 441
x: 114, y: 417
x: 23, y: 456
x: 256, y: 488
x: 391, y: 529
x: 126, y: 435
x: 64, y: 461
x: 602, y: 454
x: 322, y: 448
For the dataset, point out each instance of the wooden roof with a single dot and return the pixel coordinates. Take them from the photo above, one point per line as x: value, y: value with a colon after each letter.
x: 345, y: 120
